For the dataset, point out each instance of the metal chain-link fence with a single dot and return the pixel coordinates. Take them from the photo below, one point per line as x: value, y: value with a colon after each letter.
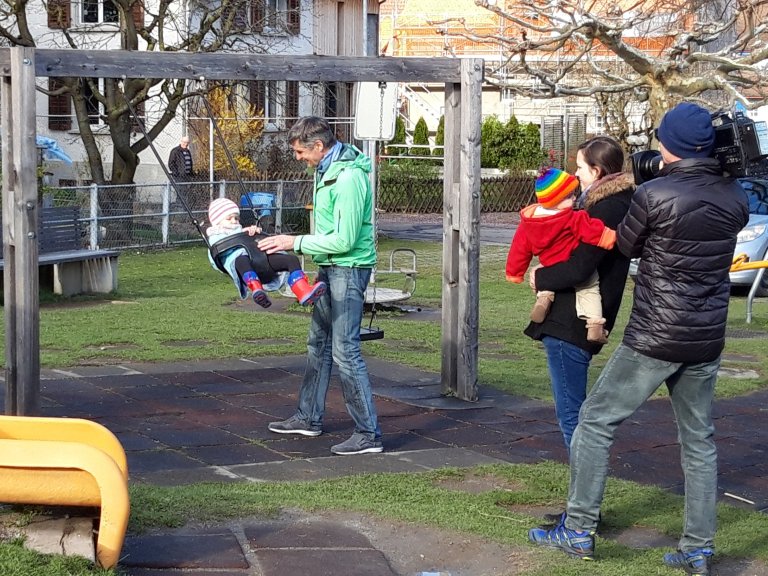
x: 156, y: 215
x: 420, y: 194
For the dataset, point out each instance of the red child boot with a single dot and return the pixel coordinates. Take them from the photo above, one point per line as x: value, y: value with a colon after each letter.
x: 306, y: 293
x: 257, y: 290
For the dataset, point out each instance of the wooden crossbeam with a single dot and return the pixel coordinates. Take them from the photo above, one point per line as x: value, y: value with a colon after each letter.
x: 221, y: 66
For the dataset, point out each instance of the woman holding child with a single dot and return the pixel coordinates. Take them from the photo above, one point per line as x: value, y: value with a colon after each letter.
x: 606, y: 195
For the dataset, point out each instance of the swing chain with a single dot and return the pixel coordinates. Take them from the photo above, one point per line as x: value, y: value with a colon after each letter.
x: 375, y: 145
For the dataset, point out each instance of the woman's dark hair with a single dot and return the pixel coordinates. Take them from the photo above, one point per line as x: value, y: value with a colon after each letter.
x: 604, y: 154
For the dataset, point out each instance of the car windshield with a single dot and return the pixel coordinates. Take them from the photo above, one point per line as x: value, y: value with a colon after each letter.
x: 757, y: 193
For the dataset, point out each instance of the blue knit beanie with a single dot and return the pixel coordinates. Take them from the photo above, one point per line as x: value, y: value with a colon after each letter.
x: 687, y: 131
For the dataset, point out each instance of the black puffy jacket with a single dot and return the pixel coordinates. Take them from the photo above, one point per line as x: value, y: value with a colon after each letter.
x: 683, y: 226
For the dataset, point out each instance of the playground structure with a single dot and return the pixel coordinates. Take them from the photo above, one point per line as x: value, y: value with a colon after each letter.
x: 21, y: 66
x: 67, y: 462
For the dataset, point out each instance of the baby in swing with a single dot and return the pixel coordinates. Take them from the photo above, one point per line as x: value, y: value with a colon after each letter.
x: 224, y: 217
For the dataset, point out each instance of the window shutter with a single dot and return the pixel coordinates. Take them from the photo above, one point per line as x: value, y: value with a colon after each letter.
x: 291, y: 111
x: 59, y: 107
x: 258, y: 95
x: 137, y: 11
x: 258, y: 15
x: 294, y: 16
x: 58, y: 14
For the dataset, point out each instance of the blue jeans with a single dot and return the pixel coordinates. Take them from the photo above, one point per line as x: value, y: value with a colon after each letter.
x: 334, y: 336
x: 568, y: 367
x: 627, y: 381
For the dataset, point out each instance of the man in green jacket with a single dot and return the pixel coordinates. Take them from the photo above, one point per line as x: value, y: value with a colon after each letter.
x: 343, y: 246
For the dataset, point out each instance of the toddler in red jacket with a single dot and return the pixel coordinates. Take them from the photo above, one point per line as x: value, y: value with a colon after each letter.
x: 551, y: 229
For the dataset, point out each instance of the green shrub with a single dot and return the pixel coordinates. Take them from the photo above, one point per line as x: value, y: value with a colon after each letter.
x: 421, y: 138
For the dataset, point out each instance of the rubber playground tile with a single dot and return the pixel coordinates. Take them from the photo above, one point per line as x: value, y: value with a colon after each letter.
x: 193, y: 437
x: 293, y: 446
x: 134, y: 441
x: 229, y: 454
x: 158, y: 392
x: 386, y: 407
x: 423, y: 421
x: 286, y: 471
x: 400, y: 441
x: 204, y: 548
x: 646, y: 466
x: 264, y: 376
x: 194, y: 378
x: 536, y: 448
x: 467, y: 436
x: 158, y: 460
x: 125, y: 381
x: 484, y: 416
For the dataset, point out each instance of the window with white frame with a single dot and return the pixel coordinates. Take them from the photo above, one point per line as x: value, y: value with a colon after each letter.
x: 98, y: 12
x: 599, y: 120
x: 279, y: 101
x: 274, y: 16
x: 94, y: 108
x: 507, y: 93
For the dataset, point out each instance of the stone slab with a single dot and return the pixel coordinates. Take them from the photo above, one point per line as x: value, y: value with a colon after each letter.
x: 65, y: 536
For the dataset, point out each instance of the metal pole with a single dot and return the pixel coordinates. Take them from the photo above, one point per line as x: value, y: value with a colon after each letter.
x: 210, y: 149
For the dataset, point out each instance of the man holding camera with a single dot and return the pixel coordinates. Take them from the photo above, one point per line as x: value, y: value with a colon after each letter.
x: 683, y: 226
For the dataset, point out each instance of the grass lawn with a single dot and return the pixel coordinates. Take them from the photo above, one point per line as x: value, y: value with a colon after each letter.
x: 169, y: 297
x: 174, y: 296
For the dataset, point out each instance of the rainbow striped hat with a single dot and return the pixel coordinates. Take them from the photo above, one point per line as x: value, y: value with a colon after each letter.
x: 553, y: 186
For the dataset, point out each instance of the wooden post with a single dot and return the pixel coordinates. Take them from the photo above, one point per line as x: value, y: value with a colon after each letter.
x: 451, y: 179
x: 9, y: 251
x: 469, y: 229
x: 20, y: 209
x: 461, y: 233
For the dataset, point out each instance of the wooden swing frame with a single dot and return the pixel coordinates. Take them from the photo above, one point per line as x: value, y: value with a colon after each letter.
x: 21, y: 66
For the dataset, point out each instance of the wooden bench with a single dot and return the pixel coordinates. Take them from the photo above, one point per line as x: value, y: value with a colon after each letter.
x: 66, y: 267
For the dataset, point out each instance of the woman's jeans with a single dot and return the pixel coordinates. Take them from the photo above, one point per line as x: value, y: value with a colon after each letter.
x: 627, y: 381
x: 568, y: 367
x: 334, y: 336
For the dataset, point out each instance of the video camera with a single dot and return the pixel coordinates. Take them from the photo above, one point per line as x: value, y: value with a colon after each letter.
x: 741, y: 146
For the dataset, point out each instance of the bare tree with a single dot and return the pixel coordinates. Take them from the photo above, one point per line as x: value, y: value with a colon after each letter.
x: 156, y: 25
x: 655, y: 51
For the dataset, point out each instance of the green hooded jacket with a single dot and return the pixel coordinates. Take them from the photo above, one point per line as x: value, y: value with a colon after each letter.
x: 343, y: 209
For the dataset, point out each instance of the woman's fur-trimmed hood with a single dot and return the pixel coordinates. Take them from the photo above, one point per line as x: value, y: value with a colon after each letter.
x: 608, y: 186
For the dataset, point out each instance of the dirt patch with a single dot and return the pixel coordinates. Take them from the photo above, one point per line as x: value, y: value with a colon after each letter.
x: 427, y: 549
x: 112, y: 347
x: 477, y: 484
x: 186, y: 343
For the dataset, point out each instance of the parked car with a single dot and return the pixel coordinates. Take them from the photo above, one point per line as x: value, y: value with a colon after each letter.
x: 752, y: 240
